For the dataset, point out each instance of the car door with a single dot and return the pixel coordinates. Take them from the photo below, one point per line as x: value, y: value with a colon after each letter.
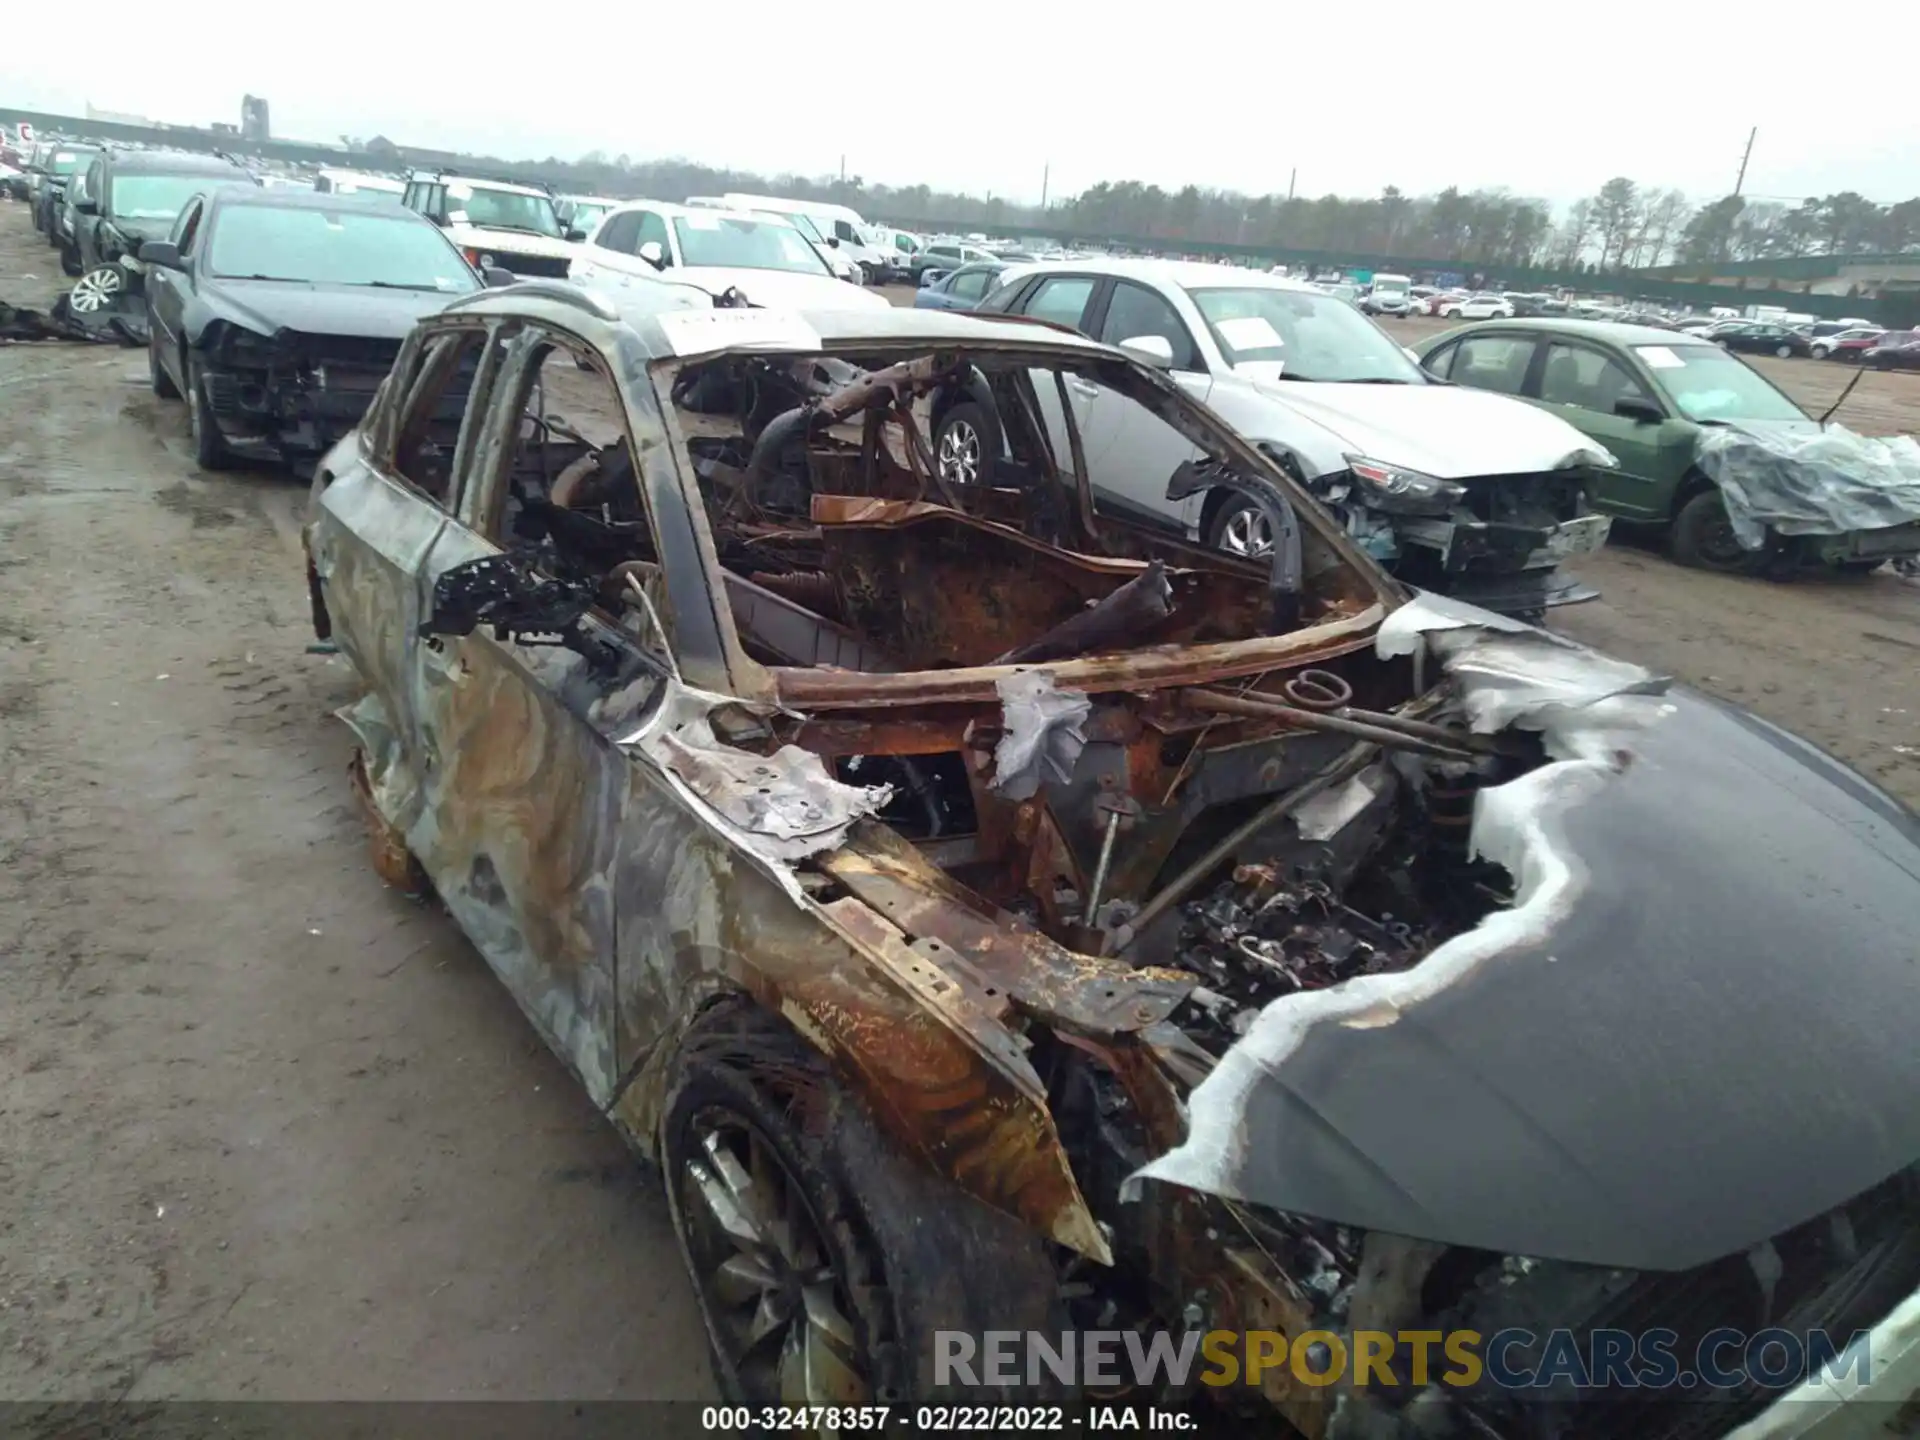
x: 1582, y: 383
x: 522, y: 799
x: 1131, y: 452
x: 966, y: 287
x: 1065, y: 300
x: 168, y: 291
x: 609, y: 260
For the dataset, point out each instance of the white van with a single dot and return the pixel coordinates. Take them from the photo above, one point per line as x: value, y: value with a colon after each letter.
x: 838, y: 227
x: 1389, y: 295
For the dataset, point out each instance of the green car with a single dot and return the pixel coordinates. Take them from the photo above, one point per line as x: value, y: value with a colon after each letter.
x: 1645, y: 393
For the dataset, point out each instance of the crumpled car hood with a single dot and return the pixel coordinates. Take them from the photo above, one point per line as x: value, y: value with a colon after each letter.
x: 1695, y: 1030
x: 1440, y: 430
x: 269, y: 306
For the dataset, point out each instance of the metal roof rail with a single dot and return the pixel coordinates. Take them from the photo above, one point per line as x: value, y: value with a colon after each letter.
x: 563, y: 291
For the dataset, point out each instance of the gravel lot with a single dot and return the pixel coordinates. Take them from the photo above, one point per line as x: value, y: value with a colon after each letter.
x: 267, y: 1130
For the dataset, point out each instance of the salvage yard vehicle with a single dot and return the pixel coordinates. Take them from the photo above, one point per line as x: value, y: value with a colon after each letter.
x: 761, y: 256
x: 1849, y: 344
x: 1456, y: 492
x: 913, y: 873
x: 56, y: 170
x: 133, y: 196
x: 960, y: 289
x: 277, y: 313
x: 496, y: 222
x: 1475, y: 307
x: 1895, y: 350
x: 1647, y: 395
x: 583, y: 212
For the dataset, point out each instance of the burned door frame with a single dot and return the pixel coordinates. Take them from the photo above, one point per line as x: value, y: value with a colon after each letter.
x: 525, y: 800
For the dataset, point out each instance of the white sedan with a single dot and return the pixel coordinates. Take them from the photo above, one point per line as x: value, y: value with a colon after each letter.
x: 1478, y: 307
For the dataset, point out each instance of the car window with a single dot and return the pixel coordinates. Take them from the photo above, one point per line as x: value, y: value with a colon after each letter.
x: 1005, y: 297
x: 971, y: 284
x: 431, y: 385
x: 946, y: 252
x: 1492, y: 362
x: 187, y: 229
x: 1579, y: 375
x: 571, y: 495
x: 653, y: 230
x: 621, y: 233
x: 1706, y: 383
x: 844, y: 231
x: 1440, y: 362
x: 1061, y: 299
x: 1135, y: 311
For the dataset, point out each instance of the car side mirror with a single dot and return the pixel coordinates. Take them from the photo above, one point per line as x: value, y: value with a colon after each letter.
x: 501, y: 591
x: 163, y: 253
x: 576, y: 235
x: 498, y: 278
x: 834, y: 241
x: 1641, y: 412
x: 86, y: 206
x: 655, y: 254
x: 1155, y: 350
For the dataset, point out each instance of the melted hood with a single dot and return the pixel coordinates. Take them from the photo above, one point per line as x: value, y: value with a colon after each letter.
x: 1694, y: 1031
x: 1441, y: 430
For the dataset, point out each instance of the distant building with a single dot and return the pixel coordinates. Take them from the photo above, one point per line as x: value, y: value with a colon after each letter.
x: 253, y: 119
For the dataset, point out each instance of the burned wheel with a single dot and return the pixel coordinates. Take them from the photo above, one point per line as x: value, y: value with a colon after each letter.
x: 99, y: 289
x: 822, y: 1259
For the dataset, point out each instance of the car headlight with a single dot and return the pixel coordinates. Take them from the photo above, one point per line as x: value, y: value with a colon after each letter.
x: 1394, y: 487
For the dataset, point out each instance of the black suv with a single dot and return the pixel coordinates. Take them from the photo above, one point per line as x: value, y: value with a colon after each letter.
x: 125, y: 198
x: 58, y: 165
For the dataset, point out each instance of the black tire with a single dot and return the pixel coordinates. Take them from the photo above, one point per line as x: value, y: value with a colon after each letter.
x: 1820, y: 352
x: 904, y: 1254
x: 209, y: 446
x: 968, y: 432
x: 1783, y: 351
x: 1702, y: 537
x: 70, y: 263
x: 157, y: 376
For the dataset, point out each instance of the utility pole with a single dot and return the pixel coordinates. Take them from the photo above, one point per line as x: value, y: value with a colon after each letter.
x: 843, y: 169
x: 1745, y: 155
x: 1292, y: 175
x: 1046, y: 173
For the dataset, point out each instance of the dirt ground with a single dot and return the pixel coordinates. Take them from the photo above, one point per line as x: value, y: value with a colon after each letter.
x: 268, y: 1130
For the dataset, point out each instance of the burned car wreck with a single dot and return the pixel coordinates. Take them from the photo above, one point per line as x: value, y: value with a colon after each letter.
x: 994, y: 916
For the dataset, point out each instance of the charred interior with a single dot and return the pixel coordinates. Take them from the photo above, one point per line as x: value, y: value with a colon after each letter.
x: 1074, y: 771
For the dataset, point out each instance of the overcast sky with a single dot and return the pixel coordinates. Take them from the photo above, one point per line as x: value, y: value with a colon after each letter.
x: 1479, y: 93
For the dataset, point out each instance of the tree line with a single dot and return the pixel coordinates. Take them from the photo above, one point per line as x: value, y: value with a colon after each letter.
x: 1623, y: 226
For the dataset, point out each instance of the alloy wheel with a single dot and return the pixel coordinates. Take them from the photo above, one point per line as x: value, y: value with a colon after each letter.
x: 959, y: 457
x: 1247, y: 532
x: 777, y: 1308
x: 97, y: 290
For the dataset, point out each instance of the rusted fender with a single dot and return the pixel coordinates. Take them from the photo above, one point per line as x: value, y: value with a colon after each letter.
x: 929, y: 1053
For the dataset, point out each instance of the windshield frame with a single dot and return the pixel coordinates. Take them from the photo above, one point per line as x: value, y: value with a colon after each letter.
x: 537, y: 199
x: 1715, y: 355
x: 1326, y: 307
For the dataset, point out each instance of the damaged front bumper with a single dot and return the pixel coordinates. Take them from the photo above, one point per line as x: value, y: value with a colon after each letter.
x: 288, y: 411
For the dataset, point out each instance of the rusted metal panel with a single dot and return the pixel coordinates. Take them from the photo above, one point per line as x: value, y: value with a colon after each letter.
x: 1137, y: 670
x: 995, y: 952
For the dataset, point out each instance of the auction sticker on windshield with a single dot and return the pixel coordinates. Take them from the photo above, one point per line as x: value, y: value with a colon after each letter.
x: 696, y: 332
x: 1249, y: 332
